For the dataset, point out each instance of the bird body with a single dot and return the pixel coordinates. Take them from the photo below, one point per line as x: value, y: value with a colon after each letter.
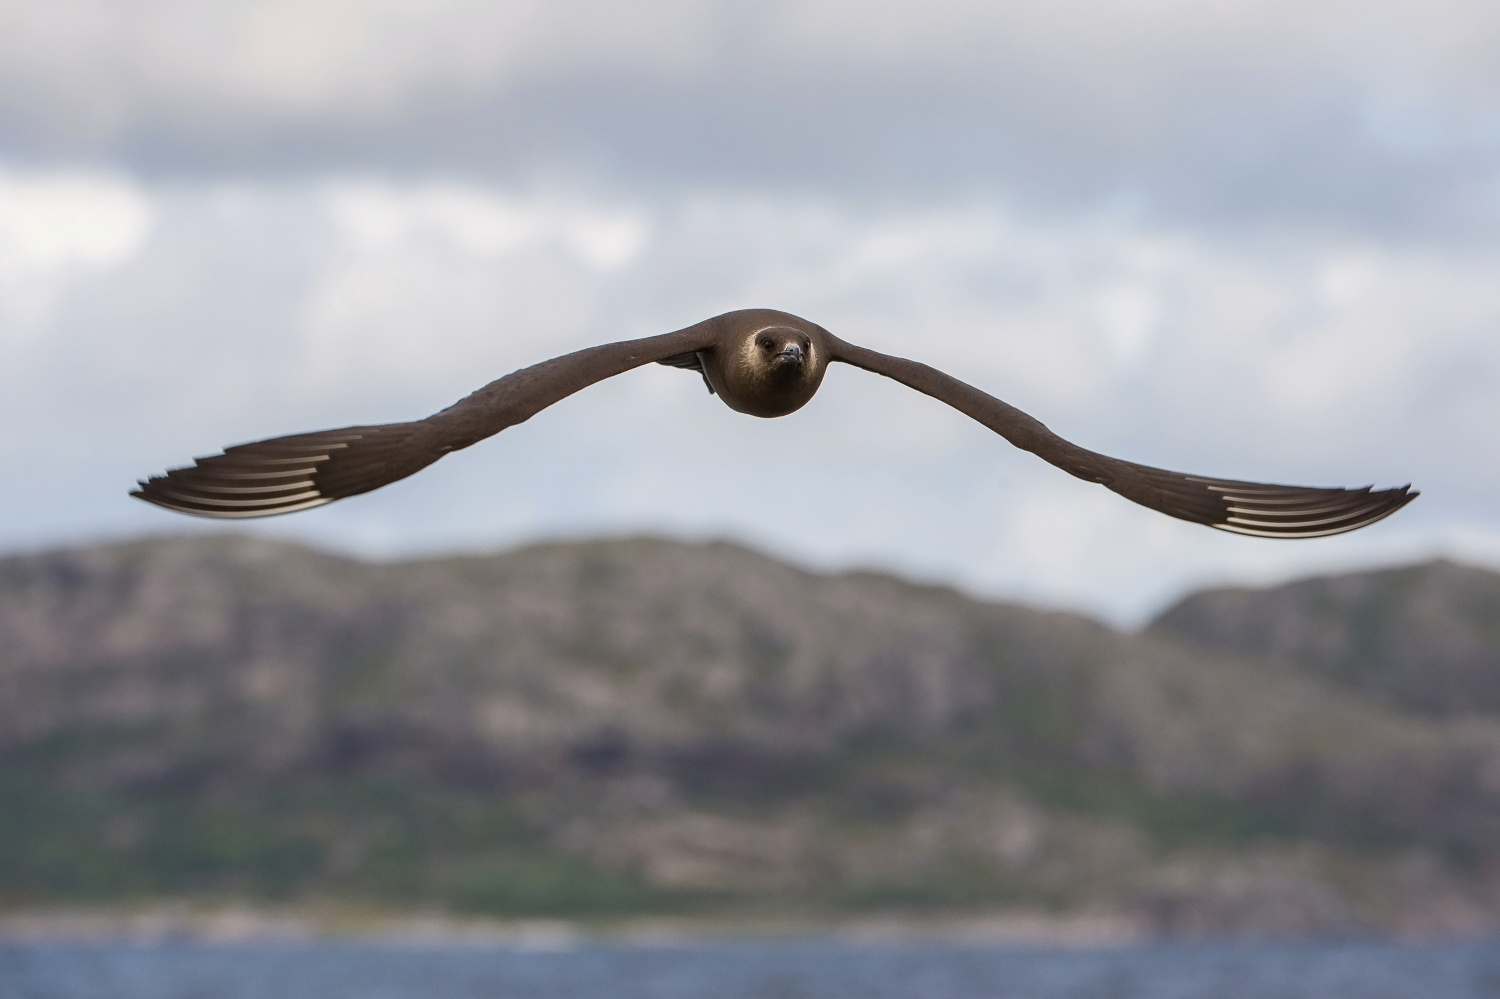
x: 758, y: 361
x: 766, y: 363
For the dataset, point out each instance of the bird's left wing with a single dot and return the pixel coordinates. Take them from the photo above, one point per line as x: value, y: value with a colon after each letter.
x: 1252, y: 508
x: 286, y: 474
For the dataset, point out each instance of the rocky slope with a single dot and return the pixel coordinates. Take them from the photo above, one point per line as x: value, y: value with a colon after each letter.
x: 1423, y: 638
x: 644, y: 725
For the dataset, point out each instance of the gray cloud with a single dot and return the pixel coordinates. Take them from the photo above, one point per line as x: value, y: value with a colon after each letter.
x: 184, y: 317
x: 1368, y: 115
x: 1244, y: 239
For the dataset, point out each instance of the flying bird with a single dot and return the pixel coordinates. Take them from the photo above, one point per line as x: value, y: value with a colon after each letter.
x: 758, y: 361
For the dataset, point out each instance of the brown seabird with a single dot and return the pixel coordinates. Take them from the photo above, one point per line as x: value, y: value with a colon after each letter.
x: 759, y: 361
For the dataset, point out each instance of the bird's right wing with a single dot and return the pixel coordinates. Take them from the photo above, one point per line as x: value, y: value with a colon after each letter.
x: 1253, y: 508
x: 286, y: 474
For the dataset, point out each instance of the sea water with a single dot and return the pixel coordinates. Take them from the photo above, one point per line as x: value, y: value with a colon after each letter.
x: 792, y: 969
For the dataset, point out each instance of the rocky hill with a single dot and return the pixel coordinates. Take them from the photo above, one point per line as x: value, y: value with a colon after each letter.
x: 641, y: 725
x: 1422, y: 638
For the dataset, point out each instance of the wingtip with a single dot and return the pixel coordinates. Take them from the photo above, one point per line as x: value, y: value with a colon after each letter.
x: 1337, y: 511
x: 1403, y: 494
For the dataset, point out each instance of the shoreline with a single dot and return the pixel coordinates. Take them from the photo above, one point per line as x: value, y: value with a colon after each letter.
x: 230, y: 924
x: 242, y: 924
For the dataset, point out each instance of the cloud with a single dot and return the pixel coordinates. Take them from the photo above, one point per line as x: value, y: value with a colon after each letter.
x: 242, y: 310
x: 423, y: 274
x: 58, y: 228
x: 315, y: 58
x: 1366, y: 115
x: 479, y: 223
x: 1246, y: 239
x: 110, y: 64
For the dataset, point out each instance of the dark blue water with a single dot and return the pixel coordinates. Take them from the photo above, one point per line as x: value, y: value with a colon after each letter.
x: 789, y: 970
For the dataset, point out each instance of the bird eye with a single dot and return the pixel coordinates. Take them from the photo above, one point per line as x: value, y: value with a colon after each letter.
x: 765, y: 343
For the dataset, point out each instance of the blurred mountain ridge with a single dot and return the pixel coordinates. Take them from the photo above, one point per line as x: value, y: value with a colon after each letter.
x: 637, y: 725
x: 1420, y: 638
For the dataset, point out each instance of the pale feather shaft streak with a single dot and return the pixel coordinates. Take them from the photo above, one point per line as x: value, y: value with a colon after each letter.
x: 239, y: 514
x: 254, y: 490
x: 260, y: 504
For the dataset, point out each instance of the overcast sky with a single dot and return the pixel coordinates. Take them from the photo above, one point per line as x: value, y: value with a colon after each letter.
x: 1244, y: 239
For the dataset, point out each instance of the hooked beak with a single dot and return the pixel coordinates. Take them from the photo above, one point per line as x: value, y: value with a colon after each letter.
x: 791, y: 352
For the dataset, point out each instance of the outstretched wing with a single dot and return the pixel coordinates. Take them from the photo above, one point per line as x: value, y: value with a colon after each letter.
x: 293, y: 473
x: 1267, y: 511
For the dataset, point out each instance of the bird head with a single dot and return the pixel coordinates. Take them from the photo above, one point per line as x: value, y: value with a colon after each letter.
x: 781, y: 352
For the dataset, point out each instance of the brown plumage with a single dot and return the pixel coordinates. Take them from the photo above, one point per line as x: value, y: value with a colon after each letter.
x: 759, y: 361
